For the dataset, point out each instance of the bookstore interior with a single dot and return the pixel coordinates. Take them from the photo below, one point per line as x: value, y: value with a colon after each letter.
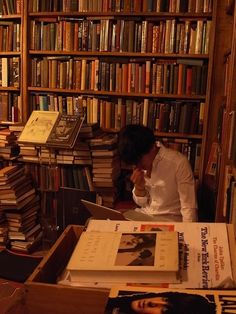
x: 117, y: 156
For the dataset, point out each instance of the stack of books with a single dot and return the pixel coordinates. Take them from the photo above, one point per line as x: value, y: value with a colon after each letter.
x: 80, y: 155
x: 8, y: 146
x: 20, y: 203
x: 105, y: 166
x: 29, y: 153
x: 89, y: 130
x: 3, y: 236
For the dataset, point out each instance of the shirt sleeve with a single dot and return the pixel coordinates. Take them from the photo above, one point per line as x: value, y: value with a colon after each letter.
x: 141, y: 201
x: 187, y: 191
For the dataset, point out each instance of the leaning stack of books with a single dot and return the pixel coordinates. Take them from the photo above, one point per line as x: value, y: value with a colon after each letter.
x: 105, y: 166
x: 8, y: 145
x: 3, y: 236
x: 20, y: 203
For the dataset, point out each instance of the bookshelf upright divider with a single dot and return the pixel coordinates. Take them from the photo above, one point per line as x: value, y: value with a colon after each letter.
x: 11, y: 20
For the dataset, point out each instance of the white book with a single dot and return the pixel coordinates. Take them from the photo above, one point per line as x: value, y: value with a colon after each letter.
x: 144, y: 257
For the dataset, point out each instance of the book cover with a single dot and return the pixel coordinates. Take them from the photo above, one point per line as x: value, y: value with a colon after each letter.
x: 65, y: 131
x: 128, y: 300
x: 125, y: 257
x: 38, y: 127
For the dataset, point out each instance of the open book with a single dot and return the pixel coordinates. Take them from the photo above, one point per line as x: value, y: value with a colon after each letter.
x: 127, y: 300
x: 149, y: 257
x: 51, y: 128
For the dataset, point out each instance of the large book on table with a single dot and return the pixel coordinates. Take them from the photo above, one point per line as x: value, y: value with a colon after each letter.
x: 115, y: 257
x: 51, y: 128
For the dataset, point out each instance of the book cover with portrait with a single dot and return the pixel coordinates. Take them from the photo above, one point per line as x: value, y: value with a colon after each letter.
x: 65, y: 131
x: 137, y: 299
x: 125, y: 257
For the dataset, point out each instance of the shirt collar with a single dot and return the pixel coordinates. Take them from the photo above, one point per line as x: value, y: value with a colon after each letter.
x: 160, y: 153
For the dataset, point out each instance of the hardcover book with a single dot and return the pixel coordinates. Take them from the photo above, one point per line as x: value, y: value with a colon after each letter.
x: 65, y: 131
x: 50, y: 128
x: 125, y: 257
x: 38, y: 127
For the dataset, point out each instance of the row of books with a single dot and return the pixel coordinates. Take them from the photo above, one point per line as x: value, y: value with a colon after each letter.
x: 122, y: 35
x: 172, y: 117
x: 161, y: 116
x: 10, y: 34
x: 10, y: 7
x: 174, y: 76
x: 9, y: 72
x: 167, y: 116
x: 53, y: 177
x: 10, y: 107
x: 131, y: 6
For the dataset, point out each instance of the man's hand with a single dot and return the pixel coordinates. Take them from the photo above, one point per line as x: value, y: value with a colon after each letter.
x: 138, y: 180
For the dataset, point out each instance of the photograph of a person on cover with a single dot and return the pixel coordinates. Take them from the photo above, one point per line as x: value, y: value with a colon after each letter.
x: 136, y: 249
x: 159, y: 303
x: 63, y: 130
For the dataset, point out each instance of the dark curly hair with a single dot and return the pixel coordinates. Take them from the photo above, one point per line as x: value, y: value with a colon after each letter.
x: 134, y: 141
x: 177, y: 303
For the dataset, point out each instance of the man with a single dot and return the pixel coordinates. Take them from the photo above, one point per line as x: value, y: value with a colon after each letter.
x: 163, y: 181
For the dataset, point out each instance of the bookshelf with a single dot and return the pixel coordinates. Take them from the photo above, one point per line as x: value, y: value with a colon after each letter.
x: 125, y: 62
x: 225, y: 206
x: 11, y: 25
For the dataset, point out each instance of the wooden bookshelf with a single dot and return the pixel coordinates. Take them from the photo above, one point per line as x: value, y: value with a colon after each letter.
x: 78, y: 57
x: 110, y: 57
x: 11, y: 26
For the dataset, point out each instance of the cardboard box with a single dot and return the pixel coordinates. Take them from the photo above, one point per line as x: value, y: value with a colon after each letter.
x: 43, y: 295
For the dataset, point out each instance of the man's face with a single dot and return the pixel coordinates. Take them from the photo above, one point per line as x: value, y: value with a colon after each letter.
x: 145, y: 162
x: 155, y: 305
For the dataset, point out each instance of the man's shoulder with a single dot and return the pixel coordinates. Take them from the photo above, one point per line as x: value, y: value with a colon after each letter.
x: 170, y: 153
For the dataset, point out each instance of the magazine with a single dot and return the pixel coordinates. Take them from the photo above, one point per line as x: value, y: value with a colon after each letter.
x: 130, y: 300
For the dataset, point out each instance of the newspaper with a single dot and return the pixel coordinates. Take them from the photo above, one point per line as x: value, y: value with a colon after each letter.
x: 205, y: 260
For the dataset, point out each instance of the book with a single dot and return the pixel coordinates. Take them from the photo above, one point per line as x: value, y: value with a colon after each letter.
x: 136, y: 299
x: 65, y: 131
x: 125, y: 257
x: 205, y: 261
x: 51, y: 128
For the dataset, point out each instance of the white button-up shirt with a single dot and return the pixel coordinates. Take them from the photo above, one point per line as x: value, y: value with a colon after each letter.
x: 170, y: 191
